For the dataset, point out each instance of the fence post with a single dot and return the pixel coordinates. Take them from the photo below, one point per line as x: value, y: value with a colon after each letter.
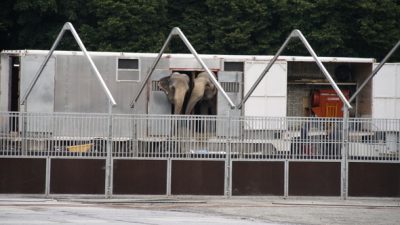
x: 286, y: 179
x: 48, y: 173
x: 24, y: 143
x: 171, y: 151
x: 228, y: 162
x: 345, y: 150
x: 109, y: 173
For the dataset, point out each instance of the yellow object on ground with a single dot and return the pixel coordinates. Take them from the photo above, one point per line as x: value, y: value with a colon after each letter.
x: 80, y: 148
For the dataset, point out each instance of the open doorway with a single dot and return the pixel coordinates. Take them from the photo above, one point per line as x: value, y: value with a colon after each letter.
x: 202, y: 107
x: 14, y: 91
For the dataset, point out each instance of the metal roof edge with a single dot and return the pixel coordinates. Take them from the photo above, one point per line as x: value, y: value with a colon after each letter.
x: 188, y: 55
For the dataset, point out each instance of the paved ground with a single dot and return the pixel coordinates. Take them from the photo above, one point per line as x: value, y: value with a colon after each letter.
x: 193, y: 210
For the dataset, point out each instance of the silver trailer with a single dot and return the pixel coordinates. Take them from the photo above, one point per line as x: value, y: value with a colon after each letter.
x: 69, y: 85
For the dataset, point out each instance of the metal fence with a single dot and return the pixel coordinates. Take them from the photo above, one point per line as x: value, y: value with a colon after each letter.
x: 205, y: 137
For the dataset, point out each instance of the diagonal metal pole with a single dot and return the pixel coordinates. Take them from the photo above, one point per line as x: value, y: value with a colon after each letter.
x: 278, y: 53
x: 70, y: 27
x: 297, y: 33
x: 41, y: 68
x: 375, y: 71
x: 210, y: 74
x: 177, y: 31
x: 322, y: 68
x: 152, y: 68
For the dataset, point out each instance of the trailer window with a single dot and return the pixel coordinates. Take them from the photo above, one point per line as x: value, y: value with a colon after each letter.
x: 128, y: 70
x: 234, y: 66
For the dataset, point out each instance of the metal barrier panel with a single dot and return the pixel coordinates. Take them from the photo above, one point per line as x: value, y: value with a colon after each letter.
x: 140, y: 177
x: 287, y: 138
x: 183, y: 137
x: 374, y: 179
x: 55, y: 134
x: 314, y: 178
x: 10, y: 136
x: 374, y: 140
x: 243, y: 137
x: 196, y: 137
x: 257, y: 178
x: 77, y: 176
x: 22, y: 176
x: 315, y: 138
x: 124, y: 134
x: 207, y: 142
x: 197, y: 177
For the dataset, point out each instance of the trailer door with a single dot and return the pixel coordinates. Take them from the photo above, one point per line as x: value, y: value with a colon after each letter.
x: 158, y: 104
x: 231, y: 82
x: 41, y: 99
x: 386, y: 92
x: 269, y: 98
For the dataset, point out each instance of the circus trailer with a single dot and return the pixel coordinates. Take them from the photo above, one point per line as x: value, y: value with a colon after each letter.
x: 291, y: 87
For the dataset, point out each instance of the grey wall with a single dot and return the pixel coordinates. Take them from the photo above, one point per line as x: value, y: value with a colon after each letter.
x: 77, y: 88
x: 4, y: 80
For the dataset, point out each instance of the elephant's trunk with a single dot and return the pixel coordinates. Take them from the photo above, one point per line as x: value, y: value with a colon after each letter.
x: 196, y: 96
x: 178, y: 100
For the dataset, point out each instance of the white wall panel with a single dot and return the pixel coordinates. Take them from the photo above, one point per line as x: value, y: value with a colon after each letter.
x: 386, y: 92
x: 270, y: 96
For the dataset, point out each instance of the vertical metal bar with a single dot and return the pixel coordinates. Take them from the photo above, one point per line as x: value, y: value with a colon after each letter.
x: 111, y: 182
x: 374, y: 72
x: 24, y: 131
x: 48, y: 176
x: 286, y: 179
x: 108, y: 191
x: 228, y: 161
x: 169, y: 175
x: 345, y: 148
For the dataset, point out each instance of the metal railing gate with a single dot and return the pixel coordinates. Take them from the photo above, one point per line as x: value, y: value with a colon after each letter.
x: 231, y: 141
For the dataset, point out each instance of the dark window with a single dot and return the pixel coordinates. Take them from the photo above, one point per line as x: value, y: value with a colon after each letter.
x: 128, y: 70
x: 234, y: 66
x: 128, y: 64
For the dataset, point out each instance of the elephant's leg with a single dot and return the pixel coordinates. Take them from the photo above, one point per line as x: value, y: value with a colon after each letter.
x: 204, y: 108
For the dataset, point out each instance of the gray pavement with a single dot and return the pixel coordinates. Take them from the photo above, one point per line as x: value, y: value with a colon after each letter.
x: 198, y: 210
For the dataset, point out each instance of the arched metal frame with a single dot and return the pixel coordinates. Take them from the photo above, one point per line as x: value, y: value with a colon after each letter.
x: 177, y: 32
x: 297, y: 34
x: 70, y: 27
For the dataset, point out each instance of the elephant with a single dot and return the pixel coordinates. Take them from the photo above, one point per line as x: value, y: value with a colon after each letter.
x: 203, y: 92
x: 176, y: 87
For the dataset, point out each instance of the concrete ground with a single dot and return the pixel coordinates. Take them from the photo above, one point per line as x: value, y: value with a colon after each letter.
x: 198, y: 210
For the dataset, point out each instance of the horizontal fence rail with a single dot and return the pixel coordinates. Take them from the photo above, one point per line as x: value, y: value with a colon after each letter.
x: 197, y: 137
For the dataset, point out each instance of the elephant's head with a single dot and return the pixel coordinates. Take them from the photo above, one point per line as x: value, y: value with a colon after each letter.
x: 203, y: 90
x: 175, y: 87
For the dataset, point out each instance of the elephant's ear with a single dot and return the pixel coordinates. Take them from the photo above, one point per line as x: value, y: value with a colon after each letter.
x: 163, y: 84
